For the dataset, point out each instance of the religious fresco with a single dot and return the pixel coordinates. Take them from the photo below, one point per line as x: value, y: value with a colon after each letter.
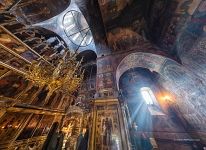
x: 111, y: 9
x: 105, y: 78
x: 185, y: 26
x: 12, y: 85
x: 104, y: 65
x: 105, y: 81
x: 150, y: 20
x: 10, y: 124
x: 123, y: 39
x: 176, y: 73
x: 177, y: 79
x: 183, y: 85
x: 195, y: 59
x: 31, y: 12
x: 105, y: 85
x: 145, y: 60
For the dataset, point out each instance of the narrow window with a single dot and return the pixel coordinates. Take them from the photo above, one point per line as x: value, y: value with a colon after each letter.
x: 148, y: 95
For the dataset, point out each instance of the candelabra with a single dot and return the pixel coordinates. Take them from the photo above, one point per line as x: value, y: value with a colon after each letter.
x: 65, y: 74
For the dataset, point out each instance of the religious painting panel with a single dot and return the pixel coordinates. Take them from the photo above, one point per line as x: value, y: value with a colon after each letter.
x: 8, y: 41
x: 34, y: 11
x: 4, y: 55
x: 29, y: 129
x: 40, y: 98
x: 66, y: 102
x: 30, y: 56
x: 51, y: 99
x: 10, y: 124
x: 71, y: 128
x: 58, y: 100
x: 6, y: 4
x: 3, y: 70
x: 12, y: 85
x: 107, y: 133
x: 45, y: 52
x: 105, y: 80
x: 18, y: 63
x: 44, y: 126
x: 28, y: 96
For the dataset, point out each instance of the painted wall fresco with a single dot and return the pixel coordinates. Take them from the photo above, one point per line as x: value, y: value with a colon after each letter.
x: 146, y: 18
x: 33, y: 11
x: 185, y: 26
x: 188, y: 92
x: 139, y: 59
x: 123, y: 39
x: 105, y: 80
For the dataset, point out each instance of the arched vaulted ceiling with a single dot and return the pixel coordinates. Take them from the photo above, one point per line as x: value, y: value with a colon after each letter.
x: 174, y: 26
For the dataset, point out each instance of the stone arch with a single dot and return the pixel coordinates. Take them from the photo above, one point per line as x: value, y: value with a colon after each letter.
x: 150, y: 61
x: 187, y: 88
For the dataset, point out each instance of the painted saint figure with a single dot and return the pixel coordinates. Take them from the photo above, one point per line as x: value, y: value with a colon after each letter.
x: 107, y: 133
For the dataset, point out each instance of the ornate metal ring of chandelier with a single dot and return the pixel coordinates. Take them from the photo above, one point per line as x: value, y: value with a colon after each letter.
x: 64, y: 74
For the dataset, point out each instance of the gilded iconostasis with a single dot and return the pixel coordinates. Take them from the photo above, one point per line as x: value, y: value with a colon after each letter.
x: 102, y: 74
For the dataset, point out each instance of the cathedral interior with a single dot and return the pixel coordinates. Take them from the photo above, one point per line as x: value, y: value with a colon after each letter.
x: 102, y: 74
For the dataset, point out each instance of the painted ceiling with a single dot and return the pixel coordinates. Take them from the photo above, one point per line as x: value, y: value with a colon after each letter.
x: 171, y: 25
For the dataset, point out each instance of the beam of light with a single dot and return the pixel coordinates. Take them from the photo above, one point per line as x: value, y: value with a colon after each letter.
x: 135, y: 113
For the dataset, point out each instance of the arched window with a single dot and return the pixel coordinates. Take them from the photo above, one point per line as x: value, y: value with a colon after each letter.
x: 148, y: 95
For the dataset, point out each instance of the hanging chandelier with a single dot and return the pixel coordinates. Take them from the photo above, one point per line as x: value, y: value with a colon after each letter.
x: 64, y: 73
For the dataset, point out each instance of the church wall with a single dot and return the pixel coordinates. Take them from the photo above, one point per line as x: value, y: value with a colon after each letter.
x: 185, y: 38
x: 179, y: 81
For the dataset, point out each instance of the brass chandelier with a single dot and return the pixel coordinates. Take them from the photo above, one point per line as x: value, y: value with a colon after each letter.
x: 64, y: 73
